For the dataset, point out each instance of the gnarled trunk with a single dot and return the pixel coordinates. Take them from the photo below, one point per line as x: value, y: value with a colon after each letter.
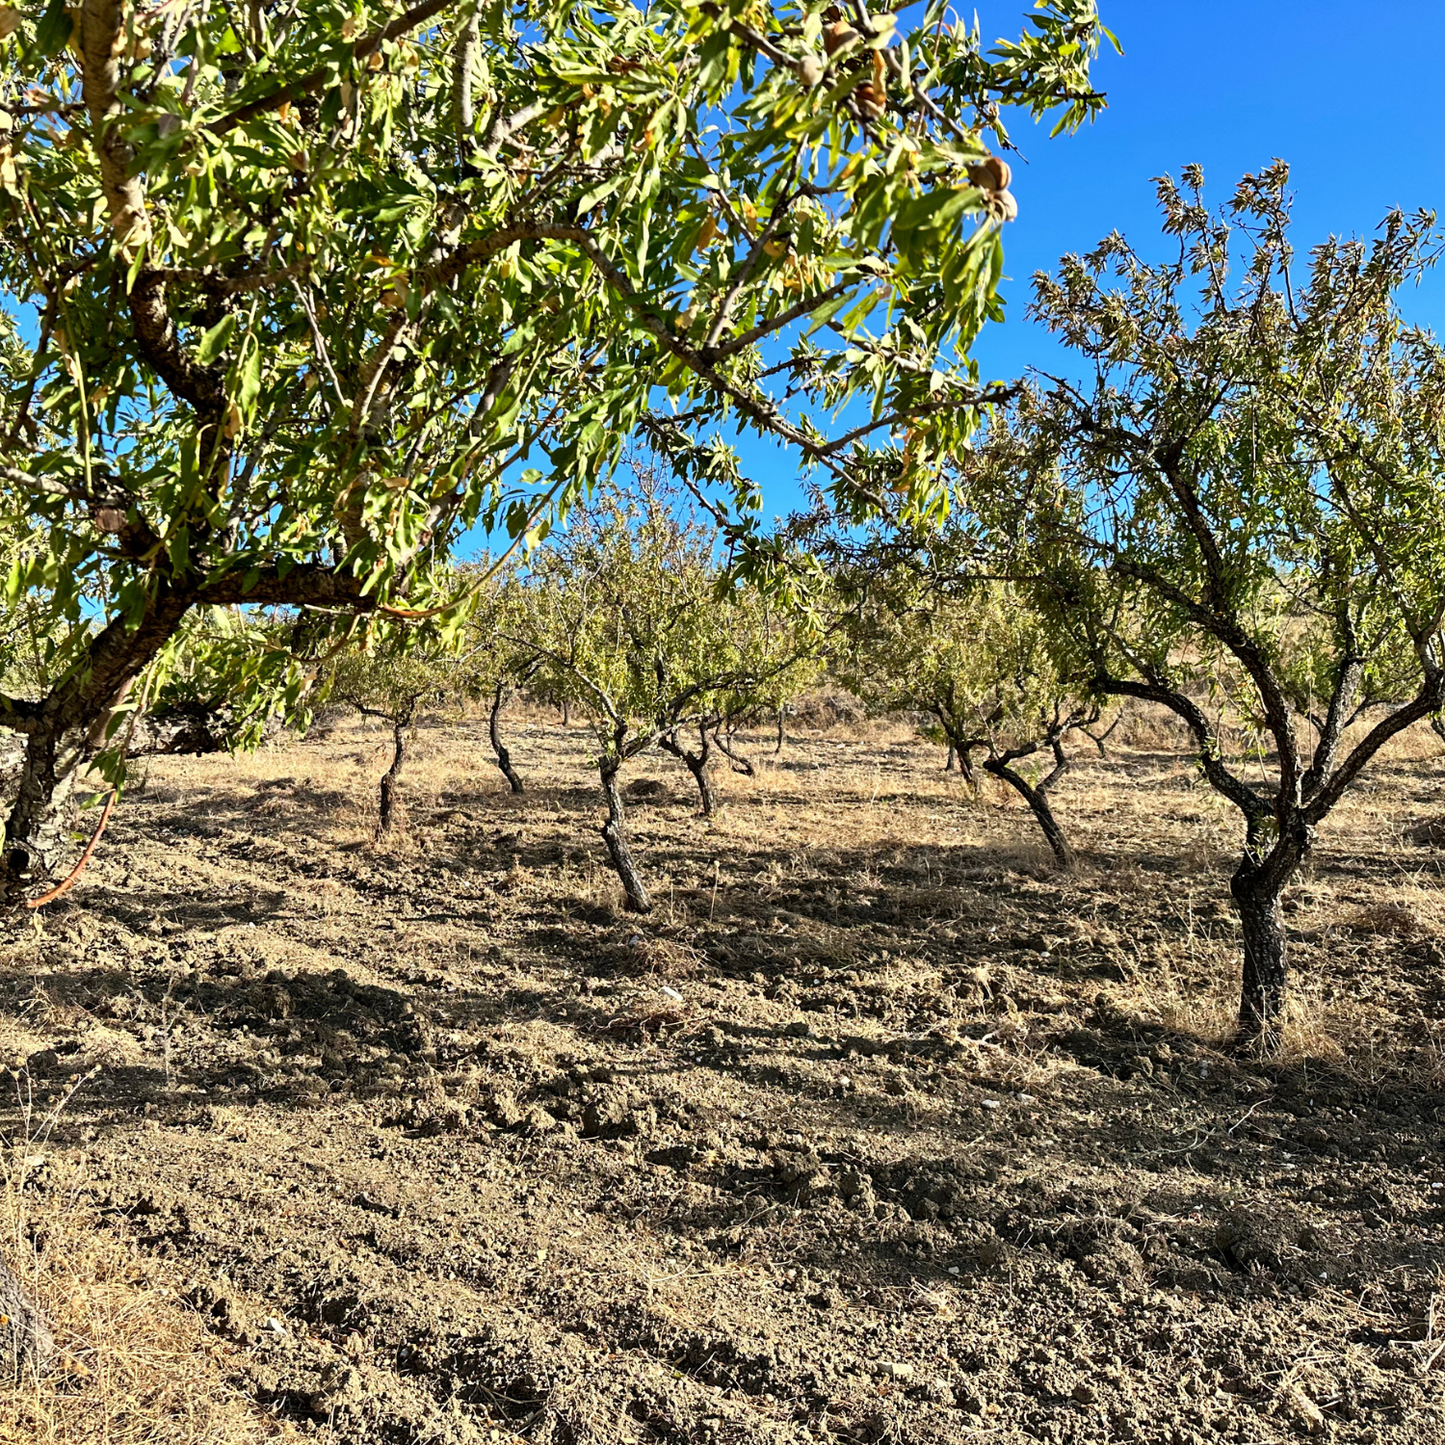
x: 1036, y: 796
x: 389, y: 777
x: 1257, y: 887
x: 37, y: 830
x: 697, y: 764
x: 504, y: 758
x: 614, y: 834
x: 1265, y: 978
x: 62, y: 730
x: 27, y: 1346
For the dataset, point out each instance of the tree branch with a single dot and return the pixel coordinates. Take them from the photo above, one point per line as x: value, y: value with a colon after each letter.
x: 293, y: 90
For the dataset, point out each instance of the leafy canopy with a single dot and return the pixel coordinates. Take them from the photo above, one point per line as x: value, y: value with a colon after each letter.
x: 629, y: 617
x: 293, y: 296
x: 1248, y: 496
x: 975, y: 656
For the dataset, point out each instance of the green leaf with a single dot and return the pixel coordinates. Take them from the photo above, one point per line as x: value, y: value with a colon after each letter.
x: 599, y: 192
x: 52, y: 34
x: 249, y: 389
x: 215, y: 341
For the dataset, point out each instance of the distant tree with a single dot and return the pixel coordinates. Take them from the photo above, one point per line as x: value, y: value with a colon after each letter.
x: 629, y: 620
x: 294, y: 296
x: 492, y: 665
x: 392, y: 678
x: 978, y: 660
x: 1247, y: 501
x: 764, y: 658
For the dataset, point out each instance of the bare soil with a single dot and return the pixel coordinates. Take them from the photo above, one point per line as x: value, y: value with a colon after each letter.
x: 878, y: 1129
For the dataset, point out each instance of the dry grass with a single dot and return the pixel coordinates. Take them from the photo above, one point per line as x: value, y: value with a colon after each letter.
x: 134, y: 1365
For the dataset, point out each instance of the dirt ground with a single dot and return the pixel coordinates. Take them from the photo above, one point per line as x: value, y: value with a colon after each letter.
x: 878, y: 1129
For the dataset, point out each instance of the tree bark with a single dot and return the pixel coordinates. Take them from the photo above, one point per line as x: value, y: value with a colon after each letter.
x: 58, y: 730
x: 1038, y: 801
x: 1266, y: 976
x: 504, y: 758
x: 952, y: 754
x: 59, y: 727
x: 389, y: 777
x: 614, y: 834
x: 27, y: 1346
x: 37, y: 831
x: 778, y: 746
x: 1257, y: 887
x: 697, y: 766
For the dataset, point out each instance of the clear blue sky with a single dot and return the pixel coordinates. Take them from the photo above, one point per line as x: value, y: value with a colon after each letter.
x: 1348, y: 94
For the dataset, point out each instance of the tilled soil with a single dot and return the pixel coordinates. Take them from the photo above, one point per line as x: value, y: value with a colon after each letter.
x: 877, y: 1129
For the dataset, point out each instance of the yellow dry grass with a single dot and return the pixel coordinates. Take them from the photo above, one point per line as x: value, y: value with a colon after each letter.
x: 133, y: 1365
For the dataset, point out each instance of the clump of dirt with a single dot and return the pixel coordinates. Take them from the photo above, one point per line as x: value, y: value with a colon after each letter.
x: 876, y: 1130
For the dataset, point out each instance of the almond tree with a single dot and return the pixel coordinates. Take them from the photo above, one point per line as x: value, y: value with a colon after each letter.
x: 631, y: 619
x: 763, y: 658
x: 979, y: 661
x: 1247, y: 493
x: 493, y: 666
x: 390, y: 678
x: 291, y: 296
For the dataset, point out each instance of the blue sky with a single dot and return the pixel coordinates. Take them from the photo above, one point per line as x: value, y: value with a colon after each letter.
x: 1349, y: 95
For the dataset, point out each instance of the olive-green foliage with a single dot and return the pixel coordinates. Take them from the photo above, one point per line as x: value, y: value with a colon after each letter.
x: 392, y: 675
x: 976, y: 657
x: 235, y: 668
x: 489, y: 654
x: 30, y: 640
x: 1252, y: 500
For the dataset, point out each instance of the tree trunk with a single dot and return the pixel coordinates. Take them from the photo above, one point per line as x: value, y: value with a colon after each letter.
x: 1266, y: 978
x: 389, y: 777
x: 37, y: 830
x: 778, y: 746
x: 26, y: 1343
x: 57, y: 732
x: 697, y: 764
x: 1037, y: 799
x: 952, y: 754
x: 1257, y: 887
x: 56, y: 728
x: 740, y: 764
x: 504, y: 758
x: 614, y: 834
